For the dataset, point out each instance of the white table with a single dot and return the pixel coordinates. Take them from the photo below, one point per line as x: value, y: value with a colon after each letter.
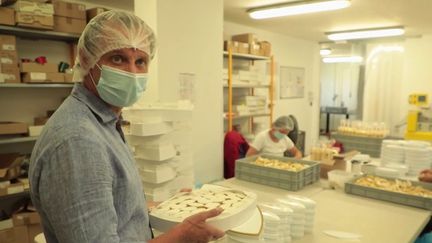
x: 377, y: 221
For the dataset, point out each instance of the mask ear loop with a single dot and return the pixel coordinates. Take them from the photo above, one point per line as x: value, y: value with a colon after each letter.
x: 91, y: 76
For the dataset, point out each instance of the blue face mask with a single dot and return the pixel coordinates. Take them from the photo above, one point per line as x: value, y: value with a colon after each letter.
x: 278, y: 135
x: 120, y: 88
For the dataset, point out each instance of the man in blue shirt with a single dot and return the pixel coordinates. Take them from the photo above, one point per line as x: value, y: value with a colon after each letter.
x: 83, y: 179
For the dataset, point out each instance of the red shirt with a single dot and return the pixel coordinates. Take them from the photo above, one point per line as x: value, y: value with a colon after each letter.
x: 235, y: 147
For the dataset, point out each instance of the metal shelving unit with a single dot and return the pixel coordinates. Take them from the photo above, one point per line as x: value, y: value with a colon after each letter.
x: 247, y: 86
x: 17, y: 140
x: 38, y: 34
x: 26, y: 85
x: 229, y: 116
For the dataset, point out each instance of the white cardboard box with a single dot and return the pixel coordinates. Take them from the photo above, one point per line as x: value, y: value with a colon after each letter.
x: 156, y: 152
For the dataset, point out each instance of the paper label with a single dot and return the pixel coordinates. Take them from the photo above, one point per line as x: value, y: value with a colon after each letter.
x: 8, y: 47
x: 5, y: 60
x: 38, y: 76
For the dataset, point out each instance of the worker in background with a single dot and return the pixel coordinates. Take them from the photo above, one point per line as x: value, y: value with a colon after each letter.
x: 275, y: 141
x: 235, y: 147
x: 83, y: 179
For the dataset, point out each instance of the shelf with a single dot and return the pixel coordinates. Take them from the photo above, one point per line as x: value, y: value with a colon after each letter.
x: 246, y: 56
x: 24, y: 85
x: 248, y: 116
x: 17, y: 140
x: 248, y: 86
x: 38, y: 34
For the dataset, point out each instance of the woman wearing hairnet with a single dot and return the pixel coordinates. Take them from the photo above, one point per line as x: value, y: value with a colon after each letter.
x: 275, y: 141
x: 83, y: 179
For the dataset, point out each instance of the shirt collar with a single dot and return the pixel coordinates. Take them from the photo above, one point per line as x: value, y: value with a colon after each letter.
x: 98, y: 107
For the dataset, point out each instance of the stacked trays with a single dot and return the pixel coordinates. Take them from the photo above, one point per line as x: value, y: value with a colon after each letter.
x: 247, y: 170
x: 309, y: 212
x: 418, y: 158
x: 402, y: 157
x: 285, y: 215
x: 299, y: 217
x: 272, y: 225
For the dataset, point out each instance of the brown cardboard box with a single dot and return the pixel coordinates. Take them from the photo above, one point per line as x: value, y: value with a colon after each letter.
x: 9, y: 73
x: 254, y: 49
x: 69, y: 25
x: 34, y: 21
x: 337, y: 163
x: 7, y: 43
x: 40, y: 77
x: 12, y: 189
x: 245, y: 38
x: 34, y: 8
x: 68, y: 78
x: 265, y: 48
x: 21, y: 235
x: 8, y: 57
x: 27, y: 67
x: 10, y: 166
x: 91, y: 13
x: 68, y: 9
x: 234, y: 45
x: 40, y: 120
x: 31, y: 221
x: 243, y: 48
x: 12, y: 128
x: 7, y: 16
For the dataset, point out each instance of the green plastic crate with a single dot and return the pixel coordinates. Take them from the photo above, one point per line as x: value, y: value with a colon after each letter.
x: 289, y: 180
x: 394, y: 197
x: 365, y: 145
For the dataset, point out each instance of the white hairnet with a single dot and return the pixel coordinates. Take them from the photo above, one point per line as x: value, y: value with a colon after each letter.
x: 110, y: 31
x: 284, y: 122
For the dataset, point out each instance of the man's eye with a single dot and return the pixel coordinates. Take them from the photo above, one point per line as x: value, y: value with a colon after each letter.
x: 117, y: 59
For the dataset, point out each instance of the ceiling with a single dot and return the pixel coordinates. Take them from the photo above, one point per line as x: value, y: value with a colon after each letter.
x: 414, y: 15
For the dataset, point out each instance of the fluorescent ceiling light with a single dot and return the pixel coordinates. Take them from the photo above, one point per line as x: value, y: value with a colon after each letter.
x: 352, y: 59
x: 365, y: 34
x: 325, y: 52
x: 296, y: 8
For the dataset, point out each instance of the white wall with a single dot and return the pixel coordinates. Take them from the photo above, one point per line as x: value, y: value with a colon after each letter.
x: 293, y: 52
x: 417, y: 73
x: 189, y: 37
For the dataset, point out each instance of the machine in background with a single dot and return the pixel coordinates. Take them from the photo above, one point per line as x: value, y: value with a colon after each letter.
x: 419, y: 121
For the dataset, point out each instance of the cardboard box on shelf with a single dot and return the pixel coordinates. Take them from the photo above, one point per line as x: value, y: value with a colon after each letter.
x: 7, y: 128
x: 265, y: 48
x: 35, y: 131
x: 15, y: 235
x: 8, y: 57
x: 245, y: 38
x: 10, y: 166
x: 40, y: 77
x: 29, y: 220
x: 7, y: 43
x: 91, y: 13
x: 69, y: 9
x: 243, y: 48
x: 12, y: 189
x: 69, y: 25
x: 6, y: 224
x: 9, y: 73
x: 34, y: 21
x: 254, y: 49
x: 68, y: 78
x: 40, y: 120
x: 234, y: 45
x: 7, y: 16
x: 27, y: 67
x: 34, y: 8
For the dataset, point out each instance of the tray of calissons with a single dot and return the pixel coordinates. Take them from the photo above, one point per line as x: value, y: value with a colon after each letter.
x: 406, y: 192
x: 239, y: 206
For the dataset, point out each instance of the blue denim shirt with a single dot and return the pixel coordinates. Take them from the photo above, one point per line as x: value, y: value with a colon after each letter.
x: 83, y: 179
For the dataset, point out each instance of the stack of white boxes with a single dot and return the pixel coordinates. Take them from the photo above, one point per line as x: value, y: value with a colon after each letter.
x: 160, y: 137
